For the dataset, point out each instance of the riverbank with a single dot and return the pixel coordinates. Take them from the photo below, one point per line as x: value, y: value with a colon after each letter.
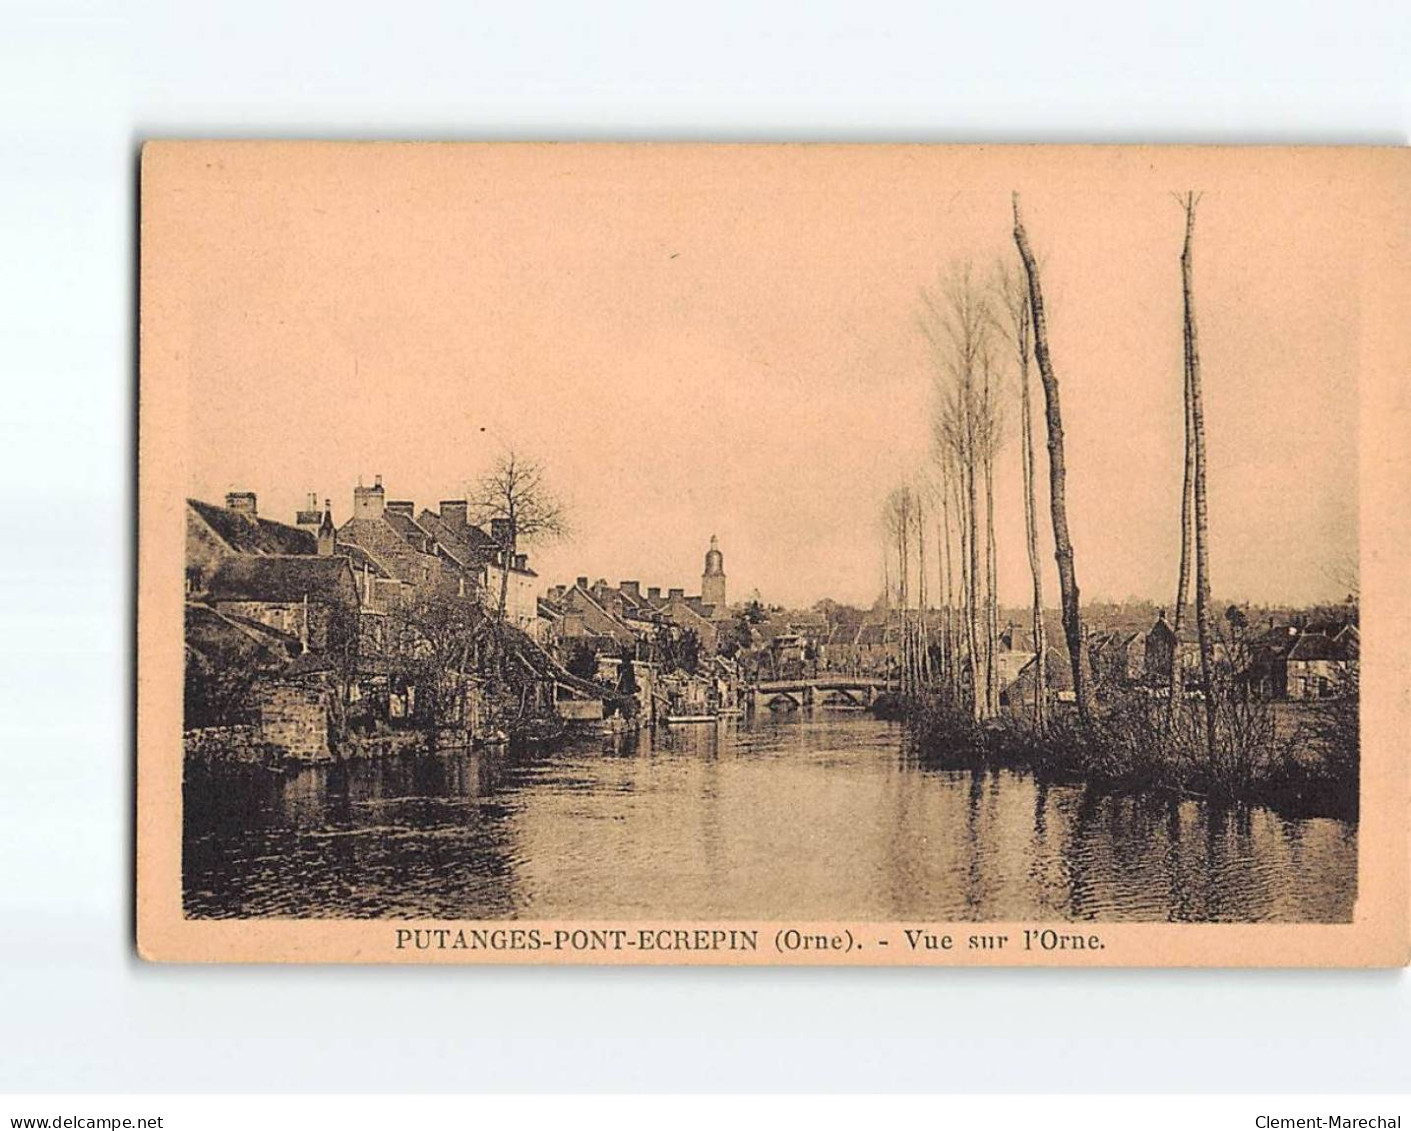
x: 798, y: 815
x: 1301, y: 761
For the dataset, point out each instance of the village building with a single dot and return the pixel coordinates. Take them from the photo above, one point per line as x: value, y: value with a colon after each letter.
x: 214, y: 534
x: 877, y: 648
x: 691, y: 614
x: 587, y: 617
x: 1017, y: 695
x: 312, y: 600
x: 1119, y: 659
x: 375, y: 533
x: 624, y: 615
x: 488, y: 559
x: 839, y: 652
x: 1161, y: 645
x: 1302, y: 663
x: 713, y: 577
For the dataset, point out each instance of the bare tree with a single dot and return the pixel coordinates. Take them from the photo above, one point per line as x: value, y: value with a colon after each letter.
x: 923, y: 646
x: 900, y: 516
x: 957, y: 323
x: 1014, y: 297
x: 947, y: 591
x: 437, y: 642
x: 992, y: 432
x: 519, y: 508
x: 1202, y: 531
x: 1183, y: 576
x: 1057, y: 470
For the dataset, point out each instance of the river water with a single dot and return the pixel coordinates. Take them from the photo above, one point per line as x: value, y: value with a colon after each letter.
x: 812, y: 815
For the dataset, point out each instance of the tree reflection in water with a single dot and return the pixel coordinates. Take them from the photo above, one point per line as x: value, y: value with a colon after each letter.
x: 822, y: 815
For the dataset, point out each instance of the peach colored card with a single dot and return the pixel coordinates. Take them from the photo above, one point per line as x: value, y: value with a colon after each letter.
x: 773, y: 554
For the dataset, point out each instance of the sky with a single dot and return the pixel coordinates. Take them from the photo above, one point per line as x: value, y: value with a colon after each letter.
x: 724, y: 340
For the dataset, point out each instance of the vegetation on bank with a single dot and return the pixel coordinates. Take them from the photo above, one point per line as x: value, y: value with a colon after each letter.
x: 1296, y: 758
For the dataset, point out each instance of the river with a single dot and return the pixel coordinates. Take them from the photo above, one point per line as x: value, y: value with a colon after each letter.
x: 810, y: 815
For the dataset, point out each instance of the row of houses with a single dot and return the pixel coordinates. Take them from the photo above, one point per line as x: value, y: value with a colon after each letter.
x: 627, y: 619
x: 290, y: 605
x: 1295, y: 661
x: 391, y: 550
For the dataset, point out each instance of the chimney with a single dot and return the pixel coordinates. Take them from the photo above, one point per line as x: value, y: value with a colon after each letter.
x: 583, y: 583
x: 675, y: 594
x: 454, y: 513
x: 403, y: 506
x: 327, y: 535
x: 521, y: 562
x: 242, y: 502
x: 631, y: 588
x: 309, y: 516
x: 653, y: 593
x: 368, y: 502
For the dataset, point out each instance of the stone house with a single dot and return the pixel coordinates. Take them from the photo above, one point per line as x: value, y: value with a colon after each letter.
x: 1119, y: 659
x: 1018, y: 694
x: 374, y: 533
x: 313, y: 600
x: 487, y: 559
x: 214, y: 534
x: 1290, y: 662
x: 583, y: 617
x: 839, y: 652
x: 690, y: 613
x: 877, y: 647
x: 1161, y: 645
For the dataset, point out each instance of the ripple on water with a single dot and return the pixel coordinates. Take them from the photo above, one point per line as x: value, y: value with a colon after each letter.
x: 817, y: 815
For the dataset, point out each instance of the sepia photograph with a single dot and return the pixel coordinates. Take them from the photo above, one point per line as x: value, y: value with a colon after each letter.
x: 753, y: 565
x: 744, y: 538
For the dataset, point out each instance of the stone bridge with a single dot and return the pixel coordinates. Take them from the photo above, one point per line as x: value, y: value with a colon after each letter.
x: 812, y: 691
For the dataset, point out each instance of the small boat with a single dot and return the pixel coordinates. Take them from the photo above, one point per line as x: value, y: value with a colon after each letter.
x: 673, y: 720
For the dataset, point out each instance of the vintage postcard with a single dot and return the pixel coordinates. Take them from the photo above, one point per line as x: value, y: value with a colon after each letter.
x: 773, y: 554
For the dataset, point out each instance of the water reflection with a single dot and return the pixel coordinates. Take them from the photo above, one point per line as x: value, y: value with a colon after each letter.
x: 817, y: 815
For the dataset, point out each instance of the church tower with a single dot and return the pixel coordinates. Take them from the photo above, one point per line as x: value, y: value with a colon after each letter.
x: 713, y: 579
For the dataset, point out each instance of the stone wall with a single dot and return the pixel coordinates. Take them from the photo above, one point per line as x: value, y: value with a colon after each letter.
x: 231, y: 744
x: 294, y: 719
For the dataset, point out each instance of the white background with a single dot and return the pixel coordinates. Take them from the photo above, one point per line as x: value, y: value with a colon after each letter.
x: 82, y: 82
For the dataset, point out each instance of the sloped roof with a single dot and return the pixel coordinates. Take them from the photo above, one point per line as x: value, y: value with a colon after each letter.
x: 360, y: 559
x: 415, y: 536
x: 1350, y: 640
x: 468, y: 545
x: 683, y: 606
x: 284, y: 578
x: 215, y: 636
x: 384, y: 545
x: 576, y: 593
x: 248, y: 535
x: 630, y: 600
x: 1276, y: 643
x: 870, y: 635
x: 1315, y: 646
x: 1162, y: 627
x: 1058, y: 672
